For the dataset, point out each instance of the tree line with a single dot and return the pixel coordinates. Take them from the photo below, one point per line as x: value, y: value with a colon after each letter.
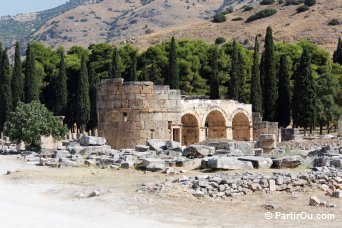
x: 297, y: 82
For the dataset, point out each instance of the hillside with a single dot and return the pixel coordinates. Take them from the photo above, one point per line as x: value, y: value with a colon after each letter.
x: 20, y: 26
x: 146, y: 22
x: 123, y: 20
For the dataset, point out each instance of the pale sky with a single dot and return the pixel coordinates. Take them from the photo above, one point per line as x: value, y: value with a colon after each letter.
x: 12, y: 7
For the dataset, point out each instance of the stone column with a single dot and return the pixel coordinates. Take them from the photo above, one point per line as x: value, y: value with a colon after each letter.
x: 230, y: 132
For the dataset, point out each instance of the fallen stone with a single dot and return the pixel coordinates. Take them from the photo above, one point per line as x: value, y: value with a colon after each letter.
x: 94, y: 193
x: 314, y: 201
x: 198, y: 151
x: 337, y: 194
x: 90, y: 162
x: 267, y: 142
x: 228, y: 163
x: 272, y: 185
x: 258, y: 162
x: 198, y: 194
x: 258, y: 151
x: 173, y: 145
x: 271, y: 206
x: 287, y: 162
x: 153, y: 164
x: 92, y: 141
x: 141, y: 148
x: 156, y: 144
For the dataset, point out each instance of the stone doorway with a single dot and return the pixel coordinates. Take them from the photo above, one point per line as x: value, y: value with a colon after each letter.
x: 190, y: 130
x: 215, y: 125
x: 241, y: 128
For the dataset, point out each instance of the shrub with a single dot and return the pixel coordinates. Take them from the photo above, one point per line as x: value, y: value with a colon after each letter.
x: 302, y: 8
x: 310, y: 2
x: 248, y: 8
x: 220, y: 17
x: 229, y: 10
x: 334, y: 22
x: 262, y: 14
x: 266, y: 2
x: 31, y: 121
x: 294, y: 2
x: 237, y: 19
x: 220, y: 40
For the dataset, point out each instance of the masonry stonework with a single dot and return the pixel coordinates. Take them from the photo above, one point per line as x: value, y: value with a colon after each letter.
x: 129, y: 113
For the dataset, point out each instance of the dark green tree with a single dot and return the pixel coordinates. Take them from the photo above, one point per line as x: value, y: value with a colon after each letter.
x: 61, y: 87
x: 328, y: 110
x: 115, y: 66
x: 214, y: 80
x: 17, y: 78
x: 270, y: 86
x: 83, y: 100
x: 337, y: 57
x: 304, y: 99
x: 31, y: 78
x: 5, y: 90
x: 310, y: 2
x: 236, y: 75
x: 173, y: 74
x: 133, y: 70
x: 93, y: 80
x: 284, y: 98
x: 256, y: 92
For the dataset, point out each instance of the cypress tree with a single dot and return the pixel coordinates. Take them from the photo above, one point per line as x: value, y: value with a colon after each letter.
x: 61, y: 87
x: 5, y: 90
x: 270, y: 87
x: 256, y: 93
x: 31, y: 80
x: 115, y: 66
x: 337, y: 57
x: 304, y: 104
x: 173, y: 75
x: 83, y: 100
x: 284, y: 98
x: 17, y: 78
x: 93, y: 80
x: 214, y: 80
x: 133, y: 70
x: 235, y: 80
x: 1, y: 55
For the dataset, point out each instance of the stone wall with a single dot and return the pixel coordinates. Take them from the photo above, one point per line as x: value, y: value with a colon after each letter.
x: 263, y: 127
x: 130, y: 113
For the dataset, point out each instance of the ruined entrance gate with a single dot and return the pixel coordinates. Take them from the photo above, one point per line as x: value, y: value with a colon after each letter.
x: 129, y: 113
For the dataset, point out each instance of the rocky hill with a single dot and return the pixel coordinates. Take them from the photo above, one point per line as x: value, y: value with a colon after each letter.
x: 146, y: 22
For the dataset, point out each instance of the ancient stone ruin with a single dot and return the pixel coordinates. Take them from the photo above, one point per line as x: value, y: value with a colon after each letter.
x: 130, y: 113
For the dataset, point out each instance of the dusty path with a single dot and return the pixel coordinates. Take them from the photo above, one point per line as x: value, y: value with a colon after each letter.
x: 27, y: 205
x: 47, y: 197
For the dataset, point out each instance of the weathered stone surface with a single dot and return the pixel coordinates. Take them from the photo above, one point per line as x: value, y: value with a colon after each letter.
x: 141, y: 148
x: 94, y: 193
x: 92, y: 141
x: 272, y: 185
x: 156, y: 144
x: 337, y: 194
x: 198, y: 151
x: 258, y: 162
x: 232, y: 147
x: 153, y: 164
x: 61, y: 154
x: 287, y: 162
x: 174, y: 146
x: 314, y: 201
x: 267, y: 142
x: 99, y: 150
x: 228, y: 163
x: 258, y: 151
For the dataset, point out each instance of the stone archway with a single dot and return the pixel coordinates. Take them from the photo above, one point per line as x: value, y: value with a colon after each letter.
x: 216, y: 125
x: 241, y: 127
x: 190, y: 129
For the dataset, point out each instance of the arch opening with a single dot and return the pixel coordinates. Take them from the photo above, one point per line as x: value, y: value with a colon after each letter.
x: 215, y: 125
x: 190, y: 130
x: 241, y: 129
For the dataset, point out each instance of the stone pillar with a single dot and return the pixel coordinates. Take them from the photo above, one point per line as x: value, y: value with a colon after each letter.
x: 251, y: 133
x: 202, y: 134
x: 230, y: 132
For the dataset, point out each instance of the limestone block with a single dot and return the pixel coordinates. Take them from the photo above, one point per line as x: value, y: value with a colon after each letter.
x: 228, y: 163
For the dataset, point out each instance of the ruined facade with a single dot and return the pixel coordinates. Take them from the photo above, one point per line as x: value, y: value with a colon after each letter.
x: 129, y: 113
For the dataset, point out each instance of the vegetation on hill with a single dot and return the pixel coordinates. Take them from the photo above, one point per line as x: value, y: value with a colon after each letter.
x: 262, y: 14
x: 193, y: 66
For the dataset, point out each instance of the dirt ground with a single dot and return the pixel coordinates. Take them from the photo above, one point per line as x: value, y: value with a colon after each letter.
x: 34, y: 196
